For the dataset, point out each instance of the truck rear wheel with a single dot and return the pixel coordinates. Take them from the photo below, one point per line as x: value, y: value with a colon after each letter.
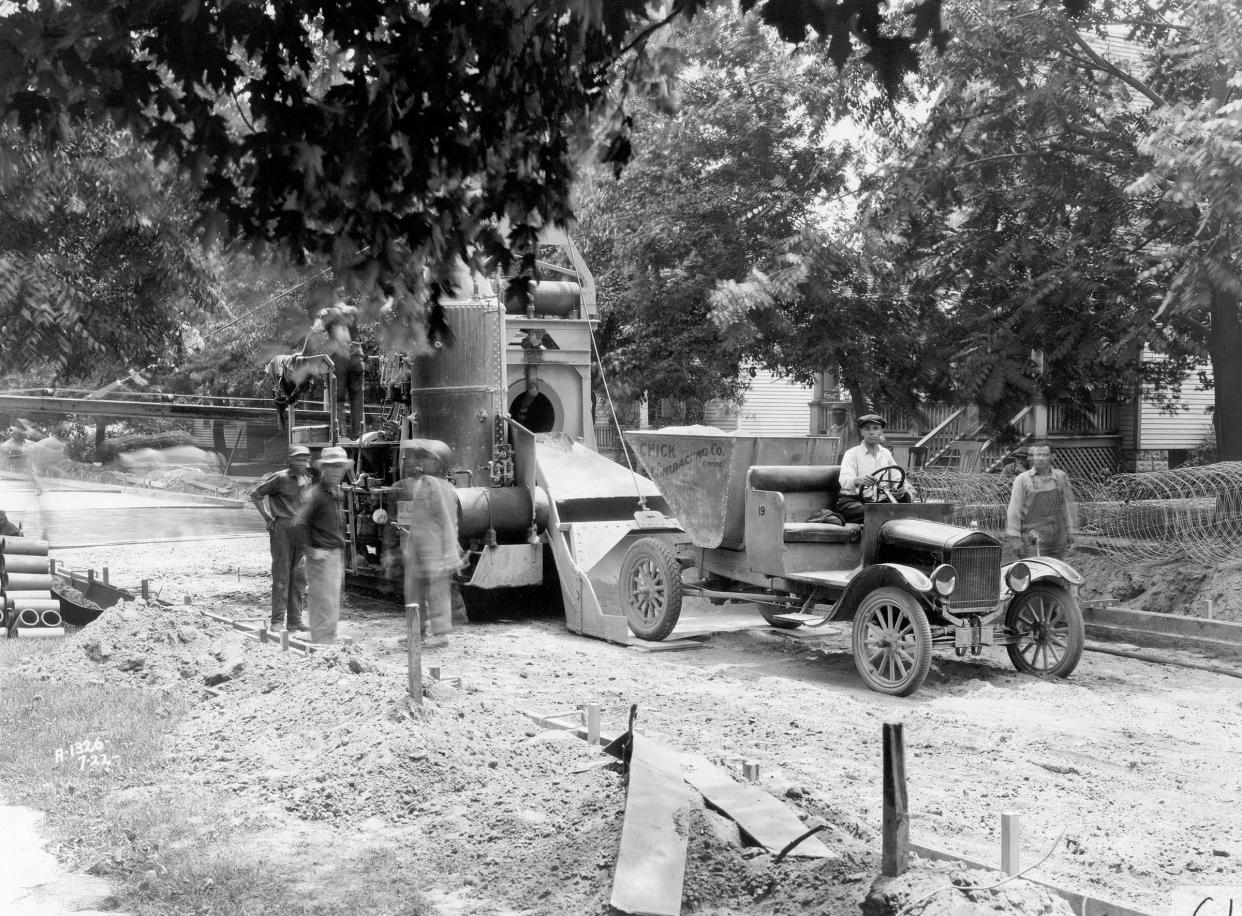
x: 650, y: 587
x: 892, y: 642
x: 1047, y: 625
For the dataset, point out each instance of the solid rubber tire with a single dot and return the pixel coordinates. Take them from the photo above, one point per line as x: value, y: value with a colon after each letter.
x: 920, y: 630
x: 655, y: 559
x: 1075, y: 630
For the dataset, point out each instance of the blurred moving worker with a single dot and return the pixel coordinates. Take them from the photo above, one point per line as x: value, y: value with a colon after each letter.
x: 859, y: 463
x: 7, y: 528
x: 335, y: 333
x: 47, y: 456
x: 13, y: 450
x: 1015, y: 464
x: 278, y: 498
x: 318, y: 529
x: 432, y: 553
x: 1041, y: 518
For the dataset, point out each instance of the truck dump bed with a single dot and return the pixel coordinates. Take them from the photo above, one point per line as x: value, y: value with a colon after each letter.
x: 701, y: 473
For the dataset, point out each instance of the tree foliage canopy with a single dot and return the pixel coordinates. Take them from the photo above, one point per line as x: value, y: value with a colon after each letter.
x: 739, y: 165
x: 387, y: 136
x: 98, y: 268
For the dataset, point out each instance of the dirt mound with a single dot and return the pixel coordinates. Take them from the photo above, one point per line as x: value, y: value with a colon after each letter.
x: 1182, y: 587
x: 930, y: 891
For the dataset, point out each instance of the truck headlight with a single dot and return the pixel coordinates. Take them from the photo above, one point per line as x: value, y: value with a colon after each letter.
x: 944, y: 579
x: 1019, y: 577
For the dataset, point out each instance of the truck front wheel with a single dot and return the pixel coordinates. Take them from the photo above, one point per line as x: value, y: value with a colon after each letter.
x: 1048, y: 630
x: 650, y: 586
x: 892, y: 642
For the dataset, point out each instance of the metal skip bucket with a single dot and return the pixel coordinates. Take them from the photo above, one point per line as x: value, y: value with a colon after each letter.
x: 702, y: 473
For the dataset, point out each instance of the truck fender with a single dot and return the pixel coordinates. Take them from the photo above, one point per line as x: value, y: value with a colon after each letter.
x: 904, y: 577
x: 1045, y: 568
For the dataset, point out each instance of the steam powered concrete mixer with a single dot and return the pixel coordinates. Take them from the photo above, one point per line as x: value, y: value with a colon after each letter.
x: 539, y: 508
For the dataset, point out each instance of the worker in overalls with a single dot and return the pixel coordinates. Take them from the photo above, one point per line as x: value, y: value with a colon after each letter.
x: 1041, y: 519
x: 432, y: 551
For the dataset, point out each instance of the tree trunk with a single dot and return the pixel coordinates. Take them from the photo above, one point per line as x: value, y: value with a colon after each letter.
x: 1224, y: 346
x: 101, y: 432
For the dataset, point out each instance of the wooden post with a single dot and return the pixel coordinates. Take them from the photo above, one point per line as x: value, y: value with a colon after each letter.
x: 895, y: 858
x: 146, y: 589
x: 105, y: 575
x: 1011, y: 843
x: 284, y: 640
x: 592, y: 723
x: 90, y: 578
x: 414, y: 652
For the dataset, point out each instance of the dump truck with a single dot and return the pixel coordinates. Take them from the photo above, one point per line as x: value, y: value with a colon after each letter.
x: 746, y: 526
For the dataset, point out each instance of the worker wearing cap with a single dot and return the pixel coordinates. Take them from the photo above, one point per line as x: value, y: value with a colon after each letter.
x: 278, y: 498
x: 320, y: 531
x: 432, y: 552
x: 859, y: 463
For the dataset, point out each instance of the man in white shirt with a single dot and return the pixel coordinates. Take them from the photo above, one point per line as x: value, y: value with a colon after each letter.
x: 859, y: 463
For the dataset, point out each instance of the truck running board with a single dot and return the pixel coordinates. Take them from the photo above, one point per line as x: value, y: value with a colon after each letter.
x: 807, y: 620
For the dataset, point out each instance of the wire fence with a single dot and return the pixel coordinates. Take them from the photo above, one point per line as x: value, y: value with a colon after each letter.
x: 1193, y: 513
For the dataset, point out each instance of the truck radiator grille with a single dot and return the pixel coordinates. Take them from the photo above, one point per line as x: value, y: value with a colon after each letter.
x: 978, y: 578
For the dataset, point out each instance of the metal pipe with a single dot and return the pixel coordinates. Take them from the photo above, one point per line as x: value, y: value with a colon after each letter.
x: 17, y: 563
x: 27, y: 546
x: 27, y: 582
x: 39, y: 632
x: 51, y: 618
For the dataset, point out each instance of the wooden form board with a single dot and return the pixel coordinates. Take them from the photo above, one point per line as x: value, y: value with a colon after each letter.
x: 651, y: 865
x: 770, y: 822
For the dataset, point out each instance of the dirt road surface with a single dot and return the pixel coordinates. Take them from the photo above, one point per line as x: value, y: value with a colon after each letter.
x: 1128, y: 772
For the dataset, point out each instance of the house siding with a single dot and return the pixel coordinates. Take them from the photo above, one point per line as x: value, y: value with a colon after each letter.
x: 771, y: 406
x: 1184, y: 429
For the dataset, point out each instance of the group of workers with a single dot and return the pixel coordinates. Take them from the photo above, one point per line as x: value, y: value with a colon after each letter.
x: 1040, y: 519
x: 303, y: 512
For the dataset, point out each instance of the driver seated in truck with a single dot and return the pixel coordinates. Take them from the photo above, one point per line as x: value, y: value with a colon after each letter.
x: 859, y: 464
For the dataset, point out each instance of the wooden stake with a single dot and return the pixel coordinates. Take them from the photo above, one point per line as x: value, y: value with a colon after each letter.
x: 90, y: 577
x: 592, y: 723
x: 105, y: 575
x: 146, y: 589
x: 895, y: 857
x: 1011, y: 843
x: 284, y: 640
x: 414, y: 652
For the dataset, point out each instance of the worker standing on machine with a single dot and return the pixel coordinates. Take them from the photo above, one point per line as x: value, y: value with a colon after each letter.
x: 278, y: 498
x: 432, y: 551
x: 318, y: 529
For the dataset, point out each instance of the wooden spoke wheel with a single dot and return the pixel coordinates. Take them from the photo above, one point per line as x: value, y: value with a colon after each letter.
x: 1047, y: 625
x: 892, y: 642
x: 650, y: 588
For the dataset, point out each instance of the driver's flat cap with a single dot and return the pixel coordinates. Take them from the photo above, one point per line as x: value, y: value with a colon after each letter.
x: 870, y: 418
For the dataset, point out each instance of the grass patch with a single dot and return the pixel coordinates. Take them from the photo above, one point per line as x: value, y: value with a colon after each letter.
x: 90, y: 756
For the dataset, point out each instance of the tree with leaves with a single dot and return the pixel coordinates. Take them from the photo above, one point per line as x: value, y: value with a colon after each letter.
x: 1007, y: 200
x: 1195, y: 150
x: 742, y: 163
x: 99, y: 269
x: 390, y: 138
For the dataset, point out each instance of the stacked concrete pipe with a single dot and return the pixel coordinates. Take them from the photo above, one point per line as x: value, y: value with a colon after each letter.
x: 31, y: 611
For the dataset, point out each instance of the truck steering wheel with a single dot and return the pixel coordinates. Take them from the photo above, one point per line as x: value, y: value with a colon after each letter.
x: 888, y: 481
